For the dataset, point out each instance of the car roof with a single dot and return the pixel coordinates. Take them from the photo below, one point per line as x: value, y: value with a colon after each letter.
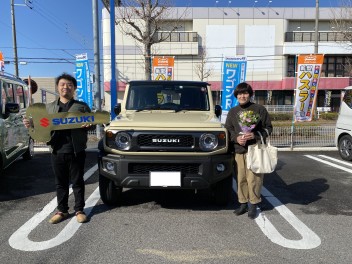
x: 170, y: 82
x: 13, y: 78
x: 348, y: 88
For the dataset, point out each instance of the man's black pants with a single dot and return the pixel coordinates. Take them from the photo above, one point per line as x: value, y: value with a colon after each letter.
x: 69, y: 168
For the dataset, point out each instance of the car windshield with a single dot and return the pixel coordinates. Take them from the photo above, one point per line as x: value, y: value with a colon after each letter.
x: 348, y: 98
x: 167, y: 96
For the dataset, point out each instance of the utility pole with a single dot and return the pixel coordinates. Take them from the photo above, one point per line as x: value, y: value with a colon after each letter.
x: 316, y: 49
x: 14, y: 37
x: 113, y: 88
x: 97, y: 95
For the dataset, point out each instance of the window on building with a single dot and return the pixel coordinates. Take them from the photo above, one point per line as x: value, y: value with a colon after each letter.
x: 333, y: 66
x: 291, y: 68
x: 260, y: 97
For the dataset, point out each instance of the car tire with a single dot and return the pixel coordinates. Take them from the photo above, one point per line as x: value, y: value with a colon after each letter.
x: 29, y: 154
x: 222, y: 191
x: 110, y: 194
x: 345, y: 147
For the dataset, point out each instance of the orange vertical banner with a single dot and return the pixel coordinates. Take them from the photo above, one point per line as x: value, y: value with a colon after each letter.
x: 163, y: 68
x: 308, y: 73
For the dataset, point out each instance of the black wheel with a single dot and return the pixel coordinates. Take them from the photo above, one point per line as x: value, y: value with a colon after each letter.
x: 29, y: 154
x: 222, y: 191
x: 345, y: 147
x: 110, y: 194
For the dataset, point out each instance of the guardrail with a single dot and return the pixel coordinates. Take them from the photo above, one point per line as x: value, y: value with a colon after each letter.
x: 305, y: 136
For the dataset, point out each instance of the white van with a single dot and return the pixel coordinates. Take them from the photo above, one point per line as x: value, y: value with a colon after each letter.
x: 343, y: 130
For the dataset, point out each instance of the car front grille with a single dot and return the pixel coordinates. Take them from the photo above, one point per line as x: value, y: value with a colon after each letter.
x: 145, y: 168
x: 161, y: 140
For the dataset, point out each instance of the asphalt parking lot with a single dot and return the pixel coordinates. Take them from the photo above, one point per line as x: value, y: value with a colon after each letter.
x: 305, y: 218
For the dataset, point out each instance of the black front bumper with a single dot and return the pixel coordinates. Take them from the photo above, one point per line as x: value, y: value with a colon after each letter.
x: 196, y: 172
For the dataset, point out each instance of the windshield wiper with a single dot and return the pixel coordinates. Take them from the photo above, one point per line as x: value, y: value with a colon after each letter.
x: 149, y: 108
x: 190, y: 109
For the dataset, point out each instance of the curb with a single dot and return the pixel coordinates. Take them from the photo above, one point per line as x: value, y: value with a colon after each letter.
x: 46, y: 149
x: 309, y: 149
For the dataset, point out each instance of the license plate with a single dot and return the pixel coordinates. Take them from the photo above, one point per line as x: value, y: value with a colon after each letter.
x: 165, y: 178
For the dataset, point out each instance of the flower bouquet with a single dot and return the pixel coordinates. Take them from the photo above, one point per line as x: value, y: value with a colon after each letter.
x: 247, y: 120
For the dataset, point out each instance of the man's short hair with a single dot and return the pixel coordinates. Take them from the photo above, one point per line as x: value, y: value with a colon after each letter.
x: 68, y: 77
x: 243, y: 88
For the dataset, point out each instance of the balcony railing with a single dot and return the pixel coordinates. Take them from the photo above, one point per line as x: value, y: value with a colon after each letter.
x: 177, y: 36
x: 310, y: 36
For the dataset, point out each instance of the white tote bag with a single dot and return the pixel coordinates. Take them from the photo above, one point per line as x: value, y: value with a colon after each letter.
x: 262, y: 158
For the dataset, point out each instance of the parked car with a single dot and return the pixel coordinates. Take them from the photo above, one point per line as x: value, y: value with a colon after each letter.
x: 14, y: 138
x: 343, y: 130
x: 167, y: 135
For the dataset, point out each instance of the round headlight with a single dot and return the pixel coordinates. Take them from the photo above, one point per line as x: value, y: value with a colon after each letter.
x: 208, y: 142
x: 123, y: 141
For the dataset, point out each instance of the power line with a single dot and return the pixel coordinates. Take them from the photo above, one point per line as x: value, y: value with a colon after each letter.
x: 61, y: 25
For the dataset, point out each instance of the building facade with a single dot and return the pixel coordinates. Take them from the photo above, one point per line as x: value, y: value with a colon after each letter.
x: 270, y: 38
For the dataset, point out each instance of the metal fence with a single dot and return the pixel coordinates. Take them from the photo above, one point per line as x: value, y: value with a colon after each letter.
x: 279, y: 108
x: 305, y: 136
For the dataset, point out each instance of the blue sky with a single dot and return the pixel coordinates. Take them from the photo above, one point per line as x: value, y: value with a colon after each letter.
x: 51, y: 33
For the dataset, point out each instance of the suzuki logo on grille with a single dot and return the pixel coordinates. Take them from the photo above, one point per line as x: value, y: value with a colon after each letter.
x: 44, y: 122
x: 166, y: 140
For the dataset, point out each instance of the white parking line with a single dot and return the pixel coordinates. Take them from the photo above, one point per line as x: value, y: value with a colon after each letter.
x: 330, y: 163
x: 309, y: 238
x: 19, y: 239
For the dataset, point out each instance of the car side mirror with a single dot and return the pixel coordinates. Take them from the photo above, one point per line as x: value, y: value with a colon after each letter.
x: 11, y: 108
x: 117, y: 109
x: 218, y: 110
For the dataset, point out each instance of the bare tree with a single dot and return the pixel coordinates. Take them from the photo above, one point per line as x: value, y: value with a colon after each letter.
x: 106, y: 3
x: 202, y: 68
x: 143, y: 20
x: 348, y: 66
x: 342, y: 26
x: 342, y: 21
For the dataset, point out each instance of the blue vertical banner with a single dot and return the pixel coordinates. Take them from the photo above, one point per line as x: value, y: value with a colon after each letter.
x: 234, y: 73
x: 84, y: 88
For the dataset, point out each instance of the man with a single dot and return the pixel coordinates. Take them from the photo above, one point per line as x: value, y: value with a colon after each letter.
x: 68, y: 151
x: 249, y: 183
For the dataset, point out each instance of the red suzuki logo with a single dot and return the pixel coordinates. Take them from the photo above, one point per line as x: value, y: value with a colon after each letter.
x: 44, y: 122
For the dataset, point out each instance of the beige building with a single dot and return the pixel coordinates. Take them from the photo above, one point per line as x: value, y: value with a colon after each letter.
x: 270, y: 38
x: 46, y: 89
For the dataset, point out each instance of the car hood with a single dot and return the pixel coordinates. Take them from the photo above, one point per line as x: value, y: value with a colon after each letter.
x: 162, y: 119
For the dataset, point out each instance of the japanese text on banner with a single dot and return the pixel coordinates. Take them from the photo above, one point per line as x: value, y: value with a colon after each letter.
x: 234, y: 73
x: 84, y: 88
x: 163, y: 68
x: 308, y: 74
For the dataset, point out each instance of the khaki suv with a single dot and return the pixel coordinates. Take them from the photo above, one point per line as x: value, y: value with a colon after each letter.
x: 167, y: 135
x: 14, y: 138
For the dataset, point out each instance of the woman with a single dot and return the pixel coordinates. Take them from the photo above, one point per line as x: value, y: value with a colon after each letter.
x: 243, y: 122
